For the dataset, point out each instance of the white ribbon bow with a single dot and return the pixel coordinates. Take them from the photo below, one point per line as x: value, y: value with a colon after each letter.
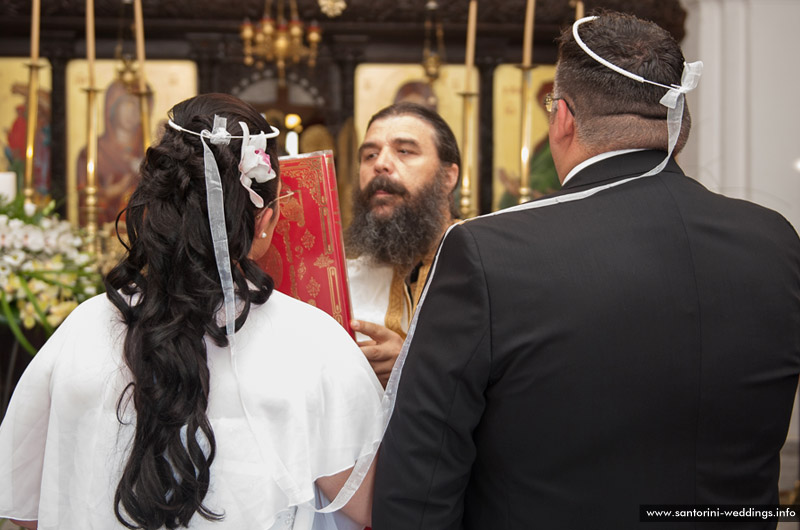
x: 689, y: 78
x: 219, y: 133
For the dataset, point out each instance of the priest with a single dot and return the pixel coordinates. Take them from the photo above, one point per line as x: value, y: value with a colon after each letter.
x: 409, y: 167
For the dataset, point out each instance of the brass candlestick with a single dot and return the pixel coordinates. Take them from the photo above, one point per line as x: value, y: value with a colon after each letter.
x: 33, y: 118
x: 526, y: 133
x: 467, y: 205
x: 91, y: 167
x: 527, y: 107
x: 33, y: 103
x: 468, y: 139
x: 144, y: 107
x: 91, y: 133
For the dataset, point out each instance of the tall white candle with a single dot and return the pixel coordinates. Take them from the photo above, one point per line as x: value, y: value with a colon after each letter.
x: 90, y: 51
x: 527, y: 41
x: 472, y: 22
x: 8, y: 184
x: 35, y: 17
x: 138, y: 21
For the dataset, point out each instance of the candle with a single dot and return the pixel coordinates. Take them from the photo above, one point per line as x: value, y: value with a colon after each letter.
x: 527, y: 41
x: 139, y: 23
x: 90, y: 52
x: 292, y: 143
x: 471, y: 27
x: 8, y: 184
x: 579, y: 10
x: 33, y: 107
x: 35, y: 15
x: 144, y: 107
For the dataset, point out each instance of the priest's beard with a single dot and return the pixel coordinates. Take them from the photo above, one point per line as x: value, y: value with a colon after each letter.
x: 403, y: 238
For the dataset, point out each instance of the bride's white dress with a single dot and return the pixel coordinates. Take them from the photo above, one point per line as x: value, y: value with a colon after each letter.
x: 299, y: 402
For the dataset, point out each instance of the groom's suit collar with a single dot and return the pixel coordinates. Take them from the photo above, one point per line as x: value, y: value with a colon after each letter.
x: 618, y: 167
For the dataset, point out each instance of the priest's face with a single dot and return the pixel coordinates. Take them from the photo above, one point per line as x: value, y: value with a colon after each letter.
x: 398, y: 159
x: 402, y: 205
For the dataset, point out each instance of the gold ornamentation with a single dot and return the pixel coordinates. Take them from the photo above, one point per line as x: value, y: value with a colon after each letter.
x: 292, y: 211
x: 432, y: 59
x: 307, y: 177
x: 323, y: 261
x: 332, y: 8
x: 399, y: 303
x: 279, y: 40
x: 336, y: 296
x: 313, y: 287
x: 308, y: 240
x: 301, y: 269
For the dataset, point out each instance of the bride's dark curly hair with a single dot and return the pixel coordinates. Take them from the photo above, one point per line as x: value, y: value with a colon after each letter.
x: 168, y: 290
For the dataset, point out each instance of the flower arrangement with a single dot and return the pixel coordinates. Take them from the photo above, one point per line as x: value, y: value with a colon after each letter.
x: 44, y: 271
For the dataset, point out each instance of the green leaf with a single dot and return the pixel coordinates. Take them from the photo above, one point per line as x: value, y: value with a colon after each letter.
x: 12, y: 323
x: 32, y: 299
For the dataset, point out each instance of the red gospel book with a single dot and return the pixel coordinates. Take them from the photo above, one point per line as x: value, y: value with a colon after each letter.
x: 306, y: 258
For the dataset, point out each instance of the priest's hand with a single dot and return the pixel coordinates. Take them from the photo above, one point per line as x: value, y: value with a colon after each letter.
x: 382, y: 350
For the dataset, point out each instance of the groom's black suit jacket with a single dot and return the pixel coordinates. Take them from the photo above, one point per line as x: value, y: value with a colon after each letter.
x: 574, y: 361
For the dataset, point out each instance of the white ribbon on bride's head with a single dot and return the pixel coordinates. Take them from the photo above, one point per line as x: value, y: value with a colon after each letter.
x: 674, y: 99
x: 255, y: 165
x: 254, y: 151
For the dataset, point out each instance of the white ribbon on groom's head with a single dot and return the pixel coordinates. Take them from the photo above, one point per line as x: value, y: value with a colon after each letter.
x: 674, y: 99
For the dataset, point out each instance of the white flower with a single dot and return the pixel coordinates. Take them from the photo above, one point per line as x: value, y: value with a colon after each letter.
x: 14, y: 258
x: 66, y: 242
x: 32, y: 238
x: 6, y: 237
x: 254, y: 163
x: 42, y: 257
x: 29, y: 208
x: 51, y: 241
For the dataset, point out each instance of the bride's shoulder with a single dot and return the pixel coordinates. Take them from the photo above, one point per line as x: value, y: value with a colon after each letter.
x: 286, y: 319
x: 294, y: 313
x: 95, y: 311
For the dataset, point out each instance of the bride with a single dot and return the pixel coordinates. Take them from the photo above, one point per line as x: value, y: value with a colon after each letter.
x: 192, y: 394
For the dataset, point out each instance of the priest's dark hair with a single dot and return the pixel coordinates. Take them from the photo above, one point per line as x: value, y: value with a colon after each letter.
x: 446, y: 144
x: 168, y: 290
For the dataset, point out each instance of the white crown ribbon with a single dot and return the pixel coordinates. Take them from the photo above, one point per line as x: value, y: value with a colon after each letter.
x: 219, y: 132
x: 673, y: 99
x: 689, y: 78
x: 254, y: 163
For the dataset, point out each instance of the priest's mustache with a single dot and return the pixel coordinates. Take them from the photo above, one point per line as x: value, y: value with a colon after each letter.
x: 384, y: 183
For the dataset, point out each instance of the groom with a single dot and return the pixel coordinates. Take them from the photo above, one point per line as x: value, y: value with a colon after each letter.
x: 633, y: 341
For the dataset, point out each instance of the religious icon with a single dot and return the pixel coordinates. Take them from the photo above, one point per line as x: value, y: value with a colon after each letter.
x: 13, y: 116
x: 507, y: 126
x: 120, y: 146
x: 119, y: 152
x: 417, y: 91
